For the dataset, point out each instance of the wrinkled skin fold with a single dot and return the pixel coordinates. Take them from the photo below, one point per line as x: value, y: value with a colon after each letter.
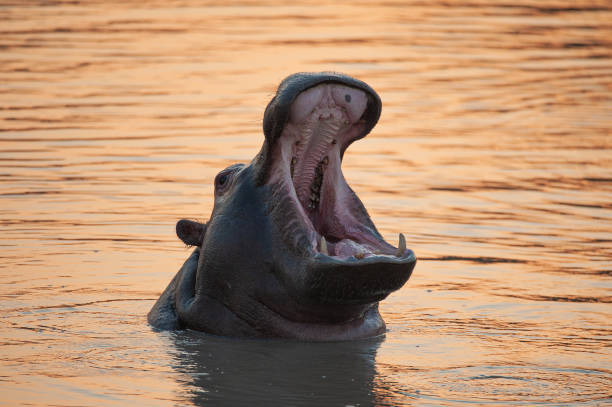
x: 289, y: 249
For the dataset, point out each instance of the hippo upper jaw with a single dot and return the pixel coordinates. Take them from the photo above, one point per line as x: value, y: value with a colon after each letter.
x: 345, y: 259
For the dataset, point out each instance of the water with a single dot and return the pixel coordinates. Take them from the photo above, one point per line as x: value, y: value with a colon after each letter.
x: 493, y: 156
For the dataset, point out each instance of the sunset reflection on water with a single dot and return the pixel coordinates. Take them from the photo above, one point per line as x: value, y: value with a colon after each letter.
x: 492, y: 155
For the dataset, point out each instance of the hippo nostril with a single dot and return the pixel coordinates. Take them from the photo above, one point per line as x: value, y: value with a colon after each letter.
x: 347, y: 97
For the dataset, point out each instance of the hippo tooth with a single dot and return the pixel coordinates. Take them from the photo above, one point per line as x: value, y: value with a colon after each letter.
x: 324, y: 246
x: 401, y: 248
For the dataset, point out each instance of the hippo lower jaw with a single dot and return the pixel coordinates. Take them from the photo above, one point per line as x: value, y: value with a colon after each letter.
x: 344, y: 248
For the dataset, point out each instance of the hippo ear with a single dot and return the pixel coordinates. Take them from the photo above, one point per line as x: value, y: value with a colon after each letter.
x: 190, y: 232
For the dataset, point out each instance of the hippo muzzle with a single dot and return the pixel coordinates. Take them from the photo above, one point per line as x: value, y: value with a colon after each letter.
x: 289, y: 249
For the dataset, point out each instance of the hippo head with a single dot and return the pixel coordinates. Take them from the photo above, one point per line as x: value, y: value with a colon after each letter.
x: 289, y: 249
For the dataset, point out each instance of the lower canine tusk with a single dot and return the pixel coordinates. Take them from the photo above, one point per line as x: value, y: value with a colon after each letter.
x: 401, y: 248
x: 324, y: 246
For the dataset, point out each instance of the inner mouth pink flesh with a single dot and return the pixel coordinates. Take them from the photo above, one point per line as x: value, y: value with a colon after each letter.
x: 323, y: 121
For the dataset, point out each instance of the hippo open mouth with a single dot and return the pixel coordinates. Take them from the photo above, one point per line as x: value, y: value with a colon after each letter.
x: 319, y: 124
x: 289, y: 250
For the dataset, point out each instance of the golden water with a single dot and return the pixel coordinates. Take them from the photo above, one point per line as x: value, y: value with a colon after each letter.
x: 493, y: 156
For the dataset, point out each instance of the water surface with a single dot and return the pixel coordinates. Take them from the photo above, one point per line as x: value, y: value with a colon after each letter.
x: 493, y: 155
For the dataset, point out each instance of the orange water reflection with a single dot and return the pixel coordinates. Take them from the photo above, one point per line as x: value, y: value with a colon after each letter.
x: 492, y: 155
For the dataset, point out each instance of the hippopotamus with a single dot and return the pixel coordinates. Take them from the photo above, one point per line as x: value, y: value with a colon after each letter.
x: 289, y: 250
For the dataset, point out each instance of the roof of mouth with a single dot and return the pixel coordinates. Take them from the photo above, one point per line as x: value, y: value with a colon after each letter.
x: 278, y: 111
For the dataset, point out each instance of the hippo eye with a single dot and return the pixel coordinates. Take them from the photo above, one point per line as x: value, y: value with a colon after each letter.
x: 347, y: 97
x: 222, y: 180
x: 225, y: 179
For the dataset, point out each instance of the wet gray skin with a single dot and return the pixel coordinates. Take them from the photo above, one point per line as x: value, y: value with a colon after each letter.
x: 289, y: 249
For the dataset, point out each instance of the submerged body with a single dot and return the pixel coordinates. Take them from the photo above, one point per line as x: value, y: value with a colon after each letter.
x: 289, y: 249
